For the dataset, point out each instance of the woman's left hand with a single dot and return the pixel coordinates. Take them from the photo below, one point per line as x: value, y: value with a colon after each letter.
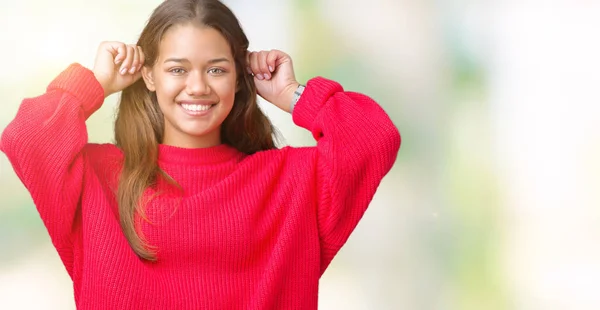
x: 274, y: 77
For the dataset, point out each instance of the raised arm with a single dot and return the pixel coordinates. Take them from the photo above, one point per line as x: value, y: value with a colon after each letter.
x: 357, y: 145
x: 45, y: 142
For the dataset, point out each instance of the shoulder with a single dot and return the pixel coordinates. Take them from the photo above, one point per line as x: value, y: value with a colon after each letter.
x: 284, y: 157
x: 301, y: 154
x: 104, y: 159
x: 102, y: 152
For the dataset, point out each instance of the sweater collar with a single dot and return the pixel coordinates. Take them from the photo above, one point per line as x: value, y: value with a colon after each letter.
x: 197, y: 156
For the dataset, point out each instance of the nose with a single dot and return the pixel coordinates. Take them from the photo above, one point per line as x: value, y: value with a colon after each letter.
x: 197, y: 85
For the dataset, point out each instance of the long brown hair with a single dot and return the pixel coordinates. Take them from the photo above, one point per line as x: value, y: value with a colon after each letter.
x: 139, y: 126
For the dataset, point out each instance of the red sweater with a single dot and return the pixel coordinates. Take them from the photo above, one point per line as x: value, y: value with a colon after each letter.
x: 250, y: 232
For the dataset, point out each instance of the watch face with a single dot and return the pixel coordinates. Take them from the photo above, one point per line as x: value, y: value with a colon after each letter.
x: 297, y: 93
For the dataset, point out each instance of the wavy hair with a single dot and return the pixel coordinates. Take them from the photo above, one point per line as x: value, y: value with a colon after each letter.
x: 139, y: 126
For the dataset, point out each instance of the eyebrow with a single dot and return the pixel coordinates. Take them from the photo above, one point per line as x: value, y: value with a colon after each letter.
x: 182, y: 60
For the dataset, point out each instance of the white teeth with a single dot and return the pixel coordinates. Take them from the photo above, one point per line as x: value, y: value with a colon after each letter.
x: 196, y: 107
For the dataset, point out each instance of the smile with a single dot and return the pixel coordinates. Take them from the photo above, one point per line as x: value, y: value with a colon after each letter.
x: 196, y: 109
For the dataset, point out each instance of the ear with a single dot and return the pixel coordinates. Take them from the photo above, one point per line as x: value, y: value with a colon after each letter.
x: 148, y: 77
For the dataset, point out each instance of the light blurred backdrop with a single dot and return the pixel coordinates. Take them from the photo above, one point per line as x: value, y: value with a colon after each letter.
x: 493, y: 201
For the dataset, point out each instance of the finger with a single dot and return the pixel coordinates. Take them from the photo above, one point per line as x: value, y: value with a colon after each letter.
x: 137, y: 74
x: 142, y: 58
x: 254, y: 65
x: 136, y: 60
x: 119, y: 51
x: 128, y: 60
x: 262, y: 64
x: 248, y: 58
x: 272, y: 60
x: 248, y: 68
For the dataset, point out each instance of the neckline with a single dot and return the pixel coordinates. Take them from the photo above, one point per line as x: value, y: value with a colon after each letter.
x: 196, y: 156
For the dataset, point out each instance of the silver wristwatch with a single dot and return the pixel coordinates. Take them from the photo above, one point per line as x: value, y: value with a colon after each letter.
x: 296, y: 97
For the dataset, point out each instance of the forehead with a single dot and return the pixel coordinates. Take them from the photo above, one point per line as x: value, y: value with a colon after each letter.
x: 194, y: 42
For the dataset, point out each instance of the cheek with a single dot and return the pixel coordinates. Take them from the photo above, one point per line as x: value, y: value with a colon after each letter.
x: 226, y: 90
x: 167, y: 86
x: 167, y: 90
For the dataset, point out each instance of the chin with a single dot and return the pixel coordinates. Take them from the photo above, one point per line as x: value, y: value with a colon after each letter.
x: 203, y: 134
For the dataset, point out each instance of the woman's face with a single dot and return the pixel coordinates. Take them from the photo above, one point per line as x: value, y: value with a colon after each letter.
x: 195, y: 82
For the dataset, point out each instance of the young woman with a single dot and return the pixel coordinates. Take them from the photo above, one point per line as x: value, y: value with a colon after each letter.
x: 194, y: 207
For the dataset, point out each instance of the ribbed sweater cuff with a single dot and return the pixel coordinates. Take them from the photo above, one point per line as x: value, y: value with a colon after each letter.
x: 318, y: 91
x: 81, y: 83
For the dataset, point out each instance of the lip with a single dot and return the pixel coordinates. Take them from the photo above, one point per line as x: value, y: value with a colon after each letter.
x: 199, y: 102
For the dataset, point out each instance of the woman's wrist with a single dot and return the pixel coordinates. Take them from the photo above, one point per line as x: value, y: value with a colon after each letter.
x: 296, y: 96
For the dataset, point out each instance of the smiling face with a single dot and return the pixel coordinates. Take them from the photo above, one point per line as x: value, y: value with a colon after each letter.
x: 194, y: 78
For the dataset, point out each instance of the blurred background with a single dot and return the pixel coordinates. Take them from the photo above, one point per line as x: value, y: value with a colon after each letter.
x: 493, y: 201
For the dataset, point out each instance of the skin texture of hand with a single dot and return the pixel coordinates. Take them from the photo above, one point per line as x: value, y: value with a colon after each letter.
x: 117, y: 66
x: 274, y: 77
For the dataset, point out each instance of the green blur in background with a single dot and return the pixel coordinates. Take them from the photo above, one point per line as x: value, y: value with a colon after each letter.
x: 465, y: 219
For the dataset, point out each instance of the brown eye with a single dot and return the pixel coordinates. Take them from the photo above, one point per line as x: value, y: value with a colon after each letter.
x: 177, y: 71
x: 216, y: 71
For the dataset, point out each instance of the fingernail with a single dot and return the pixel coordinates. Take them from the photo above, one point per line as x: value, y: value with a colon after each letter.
x: 270, y: 68
x: 132, y: 70
x: 123, y: 71
x: 249, y: 70
x: 267, y: 76
x: 259, y: 76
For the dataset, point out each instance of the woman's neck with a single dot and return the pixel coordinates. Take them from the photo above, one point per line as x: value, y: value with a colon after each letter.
x: 187, y: 141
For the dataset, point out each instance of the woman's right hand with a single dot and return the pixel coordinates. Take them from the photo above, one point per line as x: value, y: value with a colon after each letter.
x: 117, y: 66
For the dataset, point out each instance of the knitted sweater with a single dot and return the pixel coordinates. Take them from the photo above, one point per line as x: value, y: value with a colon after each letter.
x: 249, y: 231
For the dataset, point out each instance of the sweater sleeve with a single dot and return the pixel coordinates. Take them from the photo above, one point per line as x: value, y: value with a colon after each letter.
x: 44, y: 144
x: 357, y: 145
